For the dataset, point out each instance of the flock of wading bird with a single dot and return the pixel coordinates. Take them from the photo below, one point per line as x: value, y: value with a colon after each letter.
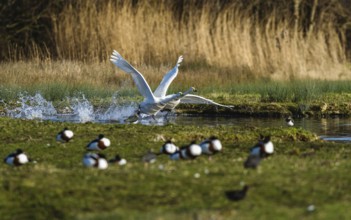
x: 152, y: 104
x: 211, y: 146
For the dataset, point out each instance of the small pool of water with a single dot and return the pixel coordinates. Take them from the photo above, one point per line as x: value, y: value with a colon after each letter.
x: 331, y: 129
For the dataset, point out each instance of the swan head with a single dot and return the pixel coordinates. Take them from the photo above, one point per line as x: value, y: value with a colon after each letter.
x: 193, y: 89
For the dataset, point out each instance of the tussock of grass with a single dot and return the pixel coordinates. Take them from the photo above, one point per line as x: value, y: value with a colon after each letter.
x: 302, y: 172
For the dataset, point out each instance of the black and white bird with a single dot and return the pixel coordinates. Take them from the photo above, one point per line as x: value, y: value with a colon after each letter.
x: 190, y: 151
x: 95, y: 160
x: 289, y: 121
x: 118, y: 160
x: 211, y: 146
x: 237, y: 195
x: 64, y: 136
x: 101, y: 143
x: 169, y: 148
x: 17, y: 158
x: 263, y: 148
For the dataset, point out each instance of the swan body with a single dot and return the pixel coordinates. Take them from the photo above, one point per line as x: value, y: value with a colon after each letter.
x: 157, y: 101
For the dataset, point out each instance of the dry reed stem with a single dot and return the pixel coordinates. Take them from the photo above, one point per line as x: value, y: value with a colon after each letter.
x: 228, y: 38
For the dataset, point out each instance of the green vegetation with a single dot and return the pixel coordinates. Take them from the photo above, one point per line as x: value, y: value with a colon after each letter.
x: 302, y: 172
x: 263, y: 98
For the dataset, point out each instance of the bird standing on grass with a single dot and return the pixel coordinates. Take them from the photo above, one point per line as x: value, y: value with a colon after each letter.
x: 237, y: 195
x: 100, y: 143
x: 261, y: 150
x: 168, y: 148
x: 190, y: 151
x: 64, y: 136
x: 211, y: 146
x: 289, y: 121
x: 17, y: 158
x: 120, y: 161
x: 95, y: 160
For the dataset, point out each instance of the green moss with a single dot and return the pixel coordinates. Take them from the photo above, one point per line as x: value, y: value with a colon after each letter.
x: 303, y: 171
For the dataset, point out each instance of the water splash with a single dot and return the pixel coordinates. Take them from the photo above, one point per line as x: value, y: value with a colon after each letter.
x: 116, y: 111
x: 83, y: 110
x: 79, y: 109
x: 32, y: 107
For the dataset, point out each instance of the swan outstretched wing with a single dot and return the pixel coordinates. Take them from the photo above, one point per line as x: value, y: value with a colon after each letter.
x: 138, y: 78
x: 195, y: 99
x: 167, y: 80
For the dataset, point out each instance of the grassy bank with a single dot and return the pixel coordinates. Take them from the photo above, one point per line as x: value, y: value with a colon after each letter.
x: 99, y: 82
x: 302, y: 172
x: 58, y: 79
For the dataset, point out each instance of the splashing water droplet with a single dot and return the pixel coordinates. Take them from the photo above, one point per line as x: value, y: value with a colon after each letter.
x: 116, y: 111
x: 79, y: 110
x: 83, y: 109
x: 32, y: 107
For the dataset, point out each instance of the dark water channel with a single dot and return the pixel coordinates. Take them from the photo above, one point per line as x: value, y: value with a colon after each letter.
x: 332, y: 129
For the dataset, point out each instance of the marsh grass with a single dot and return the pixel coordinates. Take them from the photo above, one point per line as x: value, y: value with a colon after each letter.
x: 303, y: 171
x: 277, y: 40
x: 57, y: 80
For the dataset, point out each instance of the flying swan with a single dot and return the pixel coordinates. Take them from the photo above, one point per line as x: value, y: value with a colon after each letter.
x: 151, y: 104
x: 159, y: 101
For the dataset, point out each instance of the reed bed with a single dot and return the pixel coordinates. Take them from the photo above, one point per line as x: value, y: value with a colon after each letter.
x: 261, y: 39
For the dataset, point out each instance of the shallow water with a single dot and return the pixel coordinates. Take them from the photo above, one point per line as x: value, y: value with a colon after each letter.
x: 332, y: 129
x: 80, y: 110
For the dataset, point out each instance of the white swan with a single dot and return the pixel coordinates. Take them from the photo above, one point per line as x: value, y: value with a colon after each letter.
x: 151, y: 104
x: 157, y: 101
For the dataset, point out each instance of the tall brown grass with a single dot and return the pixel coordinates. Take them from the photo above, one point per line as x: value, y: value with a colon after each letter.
x: 241, y: 40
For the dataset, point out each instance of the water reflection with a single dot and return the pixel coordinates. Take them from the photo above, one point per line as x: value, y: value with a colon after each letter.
x: 333, y: 129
